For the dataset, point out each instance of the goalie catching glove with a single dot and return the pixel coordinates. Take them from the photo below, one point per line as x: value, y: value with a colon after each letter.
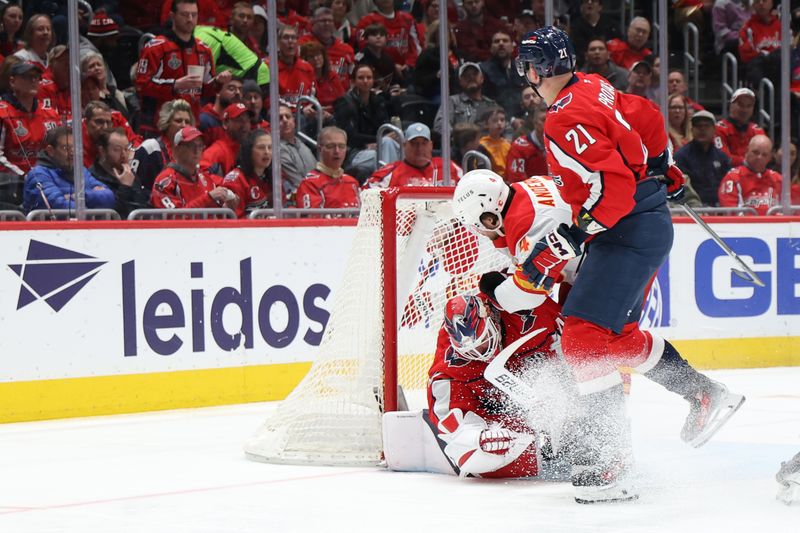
x: 549, y: 256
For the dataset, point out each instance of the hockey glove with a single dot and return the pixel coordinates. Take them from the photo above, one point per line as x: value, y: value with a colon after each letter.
x: 489, y: 283
x: 549, y: 255
x: 676, y: 184
x: 496, y: 440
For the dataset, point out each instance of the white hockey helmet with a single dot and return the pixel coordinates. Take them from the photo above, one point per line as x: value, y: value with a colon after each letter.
x: 480, y: 192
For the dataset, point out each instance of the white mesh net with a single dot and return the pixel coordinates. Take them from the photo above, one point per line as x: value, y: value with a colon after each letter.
x: 333, y: 416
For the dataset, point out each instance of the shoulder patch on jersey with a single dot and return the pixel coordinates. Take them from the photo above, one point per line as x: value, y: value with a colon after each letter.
x: 150, y: 146
x: 233, y: 175
x: 561, y: 103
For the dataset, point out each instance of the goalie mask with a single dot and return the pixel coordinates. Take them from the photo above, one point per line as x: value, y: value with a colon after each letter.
x: 545, y: 53
x: 479, y: 200
x: 473, y: 329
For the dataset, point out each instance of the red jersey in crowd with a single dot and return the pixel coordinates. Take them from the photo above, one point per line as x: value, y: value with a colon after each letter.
x: 400, y: 173
x: 59, y: 100
x: 295, y: 80
x: 405, y: 38
x: 741, y: 187
x: 253, y: 192
x: 623, y: 55
x: 163, y: 61
x: 795, y: 192
x: 341, y: 57
x: 175, y: 189
x: 118, y: 120
x: 733, y: 139
x: 457, y: 386
x: 319, y: 189
x: 210, y: 123
x: 329, y: 89
x: 756, y: 38
x: 220, y: 157
x: 292, y: 18
x: 22, y: 134
x: 526, y: 158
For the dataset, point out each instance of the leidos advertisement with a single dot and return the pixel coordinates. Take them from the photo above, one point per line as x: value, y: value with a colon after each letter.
x: 90, y: 303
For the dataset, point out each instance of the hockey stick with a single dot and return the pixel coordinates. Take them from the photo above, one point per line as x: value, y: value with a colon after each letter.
x: 747, y: 274
x: 498, y: 375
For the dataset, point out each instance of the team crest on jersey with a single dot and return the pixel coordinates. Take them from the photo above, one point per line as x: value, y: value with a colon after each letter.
x: 561, y: 103
x: 19, y: 129
x: 452, y: 358
x: 528, y: 321
x: 174, y: 61
x: 255, y: 192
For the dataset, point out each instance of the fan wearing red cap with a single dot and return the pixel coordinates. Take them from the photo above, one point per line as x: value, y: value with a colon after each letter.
x: 735, y: 132
x: 220, y: 157
x: 181, y: 185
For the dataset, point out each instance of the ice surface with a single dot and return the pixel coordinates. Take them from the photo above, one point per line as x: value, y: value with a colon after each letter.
x: 184, y: 471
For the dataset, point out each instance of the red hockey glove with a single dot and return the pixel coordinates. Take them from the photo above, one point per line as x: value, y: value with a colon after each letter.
x: 549, y: 256
x: 496, y: 441
x: 676, y: 184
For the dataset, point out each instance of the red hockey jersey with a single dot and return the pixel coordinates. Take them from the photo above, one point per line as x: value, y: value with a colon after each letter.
x: 321, y: 190
x: 163, y: 61
x: 341, y: 57
x: 756, y: 38
x: 301, y: 23
x: 220, y: 157
x: 294, y: 81
x: 118, y: 120
x: 405, y: 38
x: 456, y: 383
x: 174, y: 190
x: 597, y: 142
x: 741, y: 187
x: 733, y: 139
x: 51, y: 96
x: 623, y: 55
x: 400, y: 173
x: 525, y: 159
x: 22, y: 134
x: 253, y: 192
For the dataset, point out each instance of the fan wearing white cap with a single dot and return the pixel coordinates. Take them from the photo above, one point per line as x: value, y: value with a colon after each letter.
x: 735, y: 132
x: 418, y: 166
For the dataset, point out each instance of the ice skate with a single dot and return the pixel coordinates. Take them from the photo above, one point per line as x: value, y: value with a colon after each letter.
x: 788, y: 478
x: 602, y: 485
x: 709, y: 410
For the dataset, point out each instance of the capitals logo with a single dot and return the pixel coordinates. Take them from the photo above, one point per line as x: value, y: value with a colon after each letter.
x: 561, y: 103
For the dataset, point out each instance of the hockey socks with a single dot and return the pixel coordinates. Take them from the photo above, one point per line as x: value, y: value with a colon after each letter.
x: 675, y: 374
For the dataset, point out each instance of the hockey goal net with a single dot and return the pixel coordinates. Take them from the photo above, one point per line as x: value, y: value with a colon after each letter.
x: 409, y: 256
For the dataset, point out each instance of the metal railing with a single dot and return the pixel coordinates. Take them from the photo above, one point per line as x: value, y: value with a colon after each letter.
x: 625, y: 9
x: 70, y: 214
x: 379, y: 137
x: 321, y: 212
x: 199, y: 213
x: 10, y: 215
x: 766, y: 88
x: 778, y: 210
x: 299, y: 113
x: 691, y: 59
x: 474, y: 154
x: 730, y: 79
x: 715, y: 211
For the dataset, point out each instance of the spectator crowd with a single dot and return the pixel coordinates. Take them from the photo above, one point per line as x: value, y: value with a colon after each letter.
x: 175, y: 99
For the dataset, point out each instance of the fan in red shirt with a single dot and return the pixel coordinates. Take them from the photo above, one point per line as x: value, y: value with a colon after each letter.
x: 54, y: 91
x: 296, y: 76
x: 99, y: 117
x: 253, y: 99
x: 626, y: 53
x: 327, y: 186
x: 211, y: 114
x: 220, y: 157
x: 289, y: 16
x: 734, y: 134
x: 251, y: 180
x: 405, y: 37
x: 418, y: 166
x: 760, y: 43
x: 329, y: 87
x: 181, y: 185
x: 527, y: 156
x: 752, y: 184
x: 341, y: 56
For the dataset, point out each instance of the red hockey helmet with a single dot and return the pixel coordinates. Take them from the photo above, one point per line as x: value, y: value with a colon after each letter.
x: 473, y: 328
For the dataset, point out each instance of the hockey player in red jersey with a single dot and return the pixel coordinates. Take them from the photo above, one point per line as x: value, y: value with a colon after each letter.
x: 752, y: 184
x: 601, y: 145
x: 485, y: 433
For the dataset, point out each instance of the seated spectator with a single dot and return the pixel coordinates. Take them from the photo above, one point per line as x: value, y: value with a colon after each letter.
x: 340, y: 54
x: 493, y: 120
x: 296, y: 76
x: 54, y: 89
x: 253, y: 100
x: 327, y: 185
x: 590, y: 25
x: 112, y: 169
x: 296, y: 158
x: 626, y: 53
x: 95, y: 86
x: 102, y: 38
x: 470, y: 103
x: 752, y: 184
x: 220, y: 157
x: 734, y: 134
x: 598, y: 61
x: 11, y: 36
x: 794, y: 163
x: 387, y: 72
x: 640, y: 81
x: 474, y: 33
x: 727, y: 18
x: 360, y: 113
x: 418, y: 166
x: 524, y: 22
x: 182, y: 185
x: 288, y: 16
x: 329, y: 88
x: 251, y: 180
x: 49, y: 184
x: 209, y: 12
x: 467, y: 138
x: 343, y: 30
x: 241, y: 24
x: 211, y: 113
x: 153, y: 155
x: 98, y: 117
x: 530, y: 103
x: 678, y: 121
x: 501, y: 81
x: 23, y: 121
x: 760, y: 43
x: 527, y: 155
x: 427, y: 72
x: 258, y: 31
x: 405, y: 36
x: 701, y: 161
x: 38, y: 38
x: 676, y: 83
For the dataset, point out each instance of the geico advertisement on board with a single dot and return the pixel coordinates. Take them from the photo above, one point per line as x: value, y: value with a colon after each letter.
x: 708, y: 300
x: 84, y: 303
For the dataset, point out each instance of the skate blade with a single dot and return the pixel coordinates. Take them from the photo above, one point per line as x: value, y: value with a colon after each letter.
x: 621, y: 499
x: 789, y: 493
x: 610, y: 494
x: 734, y: 402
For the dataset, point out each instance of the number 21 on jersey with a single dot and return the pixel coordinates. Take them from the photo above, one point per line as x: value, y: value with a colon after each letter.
x: 574, y: 136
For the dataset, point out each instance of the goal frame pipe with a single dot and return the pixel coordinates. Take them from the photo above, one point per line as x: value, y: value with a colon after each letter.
x: 389, y: 198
